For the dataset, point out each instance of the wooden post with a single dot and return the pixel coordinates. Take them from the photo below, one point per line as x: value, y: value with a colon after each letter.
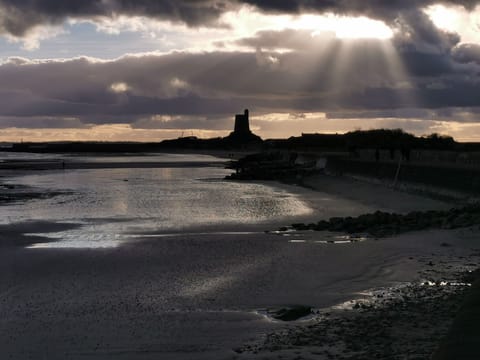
x: 398, y: 172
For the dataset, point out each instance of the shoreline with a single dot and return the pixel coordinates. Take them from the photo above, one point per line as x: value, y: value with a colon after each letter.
x: 446, y: 309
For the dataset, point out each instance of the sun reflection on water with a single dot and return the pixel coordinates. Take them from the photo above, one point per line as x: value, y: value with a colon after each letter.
x: 112, y: 203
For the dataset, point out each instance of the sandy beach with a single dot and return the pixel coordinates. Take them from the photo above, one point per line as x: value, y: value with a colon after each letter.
x: 206, y: 294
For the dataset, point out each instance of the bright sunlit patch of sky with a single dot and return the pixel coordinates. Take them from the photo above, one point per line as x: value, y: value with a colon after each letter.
x: 457, y: 19
x: 111, y: 132
x: 119, y: 87
x: 275, y: 125
x: 247, y: 22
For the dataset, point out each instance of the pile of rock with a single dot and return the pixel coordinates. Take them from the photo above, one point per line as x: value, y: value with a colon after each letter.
x: 290, y: 313
x: 271, y: 165
x: 382, y: 224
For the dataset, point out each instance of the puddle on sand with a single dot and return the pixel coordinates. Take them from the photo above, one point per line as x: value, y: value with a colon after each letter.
x: 318, y: 237
x: 107, y: 236
x: 85, y: 238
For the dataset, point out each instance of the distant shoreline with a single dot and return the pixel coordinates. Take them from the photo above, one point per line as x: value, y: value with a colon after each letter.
x: 74, y: 165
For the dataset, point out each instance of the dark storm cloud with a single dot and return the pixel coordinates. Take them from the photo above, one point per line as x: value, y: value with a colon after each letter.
x: 18, y: 16
x: 41, y: 122
x: 467, y: 53
x: 183, y: 83
x: 426, y: 64
x: 417, y: 30
x: 380, y: 9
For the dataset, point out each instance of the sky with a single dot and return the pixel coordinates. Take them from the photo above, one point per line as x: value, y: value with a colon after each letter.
x: 147, y: 70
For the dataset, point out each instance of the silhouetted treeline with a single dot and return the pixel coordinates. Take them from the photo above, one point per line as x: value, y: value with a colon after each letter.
x: 371, y: 139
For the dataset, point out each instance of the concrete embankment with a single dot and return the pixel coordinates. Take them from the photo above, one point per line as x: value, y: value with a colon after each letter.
x: 453, y: 177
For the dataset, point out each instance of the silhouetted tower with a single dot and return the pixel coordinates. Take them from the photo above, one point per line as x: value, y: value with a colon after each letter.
x: 242, y: 126
x: 241, y: 134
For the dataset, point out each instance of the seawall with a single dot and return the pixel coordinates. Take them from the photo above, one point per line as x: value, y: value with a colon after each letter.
x: 434, y: 176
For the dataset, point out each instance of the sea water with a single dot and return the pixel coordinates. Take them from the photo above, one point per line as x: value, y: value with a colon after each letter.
x: 112, y: 206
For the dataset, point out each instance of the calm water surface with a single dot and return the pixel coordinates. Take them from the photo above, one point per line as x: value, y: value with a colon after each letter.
x: 116, y: 205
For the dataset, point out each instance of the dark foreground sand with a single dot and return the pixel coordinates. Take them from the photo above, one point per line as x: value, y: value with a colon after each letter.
x: 461, y: 341
x: 203, y: 296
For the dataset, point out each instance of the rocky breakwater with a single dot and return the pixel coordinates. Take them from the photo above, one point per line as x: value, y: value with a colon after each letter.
x: 382, y: 224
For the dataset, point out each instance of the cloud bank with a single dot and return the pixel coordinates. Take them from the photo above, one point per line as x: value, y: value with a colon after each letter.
x: 17, y: 17
x: 423, y: 72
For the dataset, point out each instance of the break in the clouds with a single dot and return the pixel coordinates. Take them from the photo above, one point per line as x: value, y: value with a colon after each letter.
x: 194, y: 64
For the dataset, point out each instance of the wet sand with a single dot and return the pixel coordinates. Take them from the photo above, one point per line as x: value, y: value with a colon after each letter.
x: 192, y: 297
x: 203, y: 296
x: 377, y: 195
x: 461, y: 341
x: 406, y: 320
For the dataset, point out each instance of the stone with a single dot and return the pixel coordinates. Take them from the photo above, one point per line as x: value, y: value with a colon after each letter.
x: 290, y: 313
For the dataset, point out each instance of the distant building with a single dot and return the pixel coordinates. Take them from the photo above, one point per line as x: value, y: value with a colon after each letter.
x: 242, y: 123
x: 241, y: 131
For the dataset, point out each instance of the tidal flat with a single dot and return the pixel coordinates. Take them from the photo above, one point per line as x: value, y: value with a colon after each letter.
x: 175, y: 263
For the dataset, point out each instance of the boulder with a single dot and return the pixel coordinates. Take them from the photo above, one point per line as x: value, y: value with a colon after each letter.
x: 290, y: 313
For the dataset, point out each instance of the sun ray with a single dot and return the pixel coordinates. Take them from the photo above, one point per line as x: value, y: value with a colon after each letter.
x: 402, y: 82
